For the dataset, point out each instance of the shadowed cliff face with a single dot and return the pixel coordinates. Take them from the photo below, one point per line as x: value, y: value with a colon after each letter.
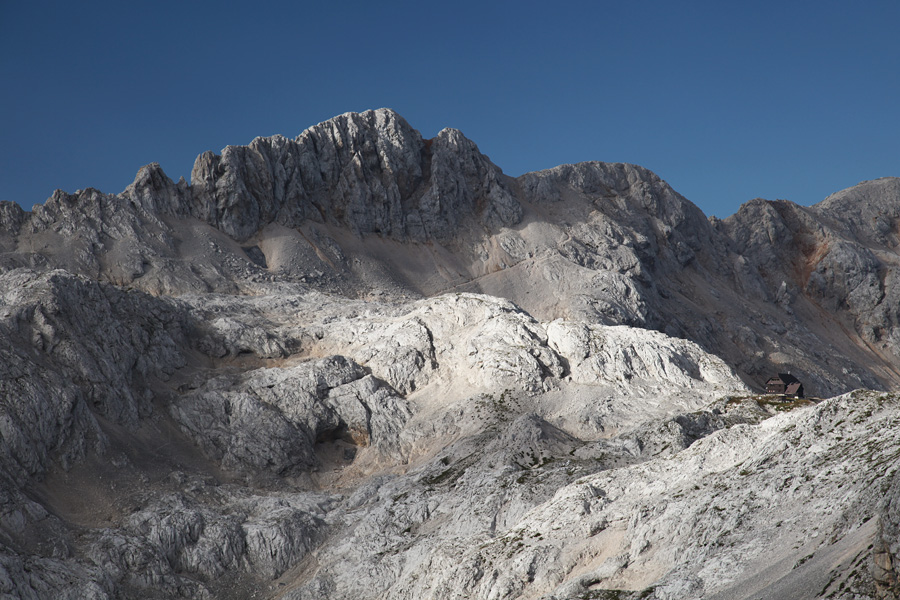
x: 363, y: 364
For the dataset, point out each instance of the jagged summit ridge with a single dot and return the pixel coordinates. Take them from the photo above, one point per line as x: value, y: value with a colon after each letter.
x: 617, y: 244
x: 607, y: 242
x: 370, y: 172
x: 364, y: 364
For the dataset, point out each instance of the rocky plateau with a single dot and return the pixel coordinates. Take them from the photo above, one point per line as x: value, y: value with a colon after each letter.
x: 363, y: 364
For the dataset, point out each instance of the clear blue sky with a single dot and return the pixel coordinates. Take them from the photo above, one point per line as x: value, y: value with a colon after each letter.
x: 727, y: 101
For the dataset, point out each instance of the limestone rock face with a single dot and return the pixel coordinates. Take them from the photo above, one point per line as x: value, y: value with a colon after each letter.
x: 370, y: 172
x: 11, y: 217
x: 839, y: 254
x: 272, y: 418
x: 76, y: 351
x: 363, y: 364
x: 362, y: 204
x: 628, y: 528
x: 619, y: 353
x: 134, y: 392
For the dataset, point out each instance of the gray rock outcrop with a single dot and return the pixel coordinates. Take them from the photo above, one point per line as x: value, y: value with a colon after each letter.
x: 363, y: 364
x: 370, y: 172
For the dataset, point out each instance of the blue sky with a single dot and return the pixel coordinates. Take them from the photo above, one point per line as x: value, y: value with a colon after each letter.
x: 726, y: 101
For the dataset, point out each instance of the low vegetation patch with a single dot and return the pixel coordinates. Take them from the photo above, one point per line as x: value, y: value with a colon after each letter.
x: 781, y: 403
x: 616, y: 594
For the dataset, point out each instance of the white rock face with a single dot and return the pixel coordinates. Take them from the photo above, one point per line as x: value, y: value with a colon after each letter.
x: 361, y: 364
x: 371, y: 172
x: 778, y: 498
x: 362, y: 205
x: 270, y: 419
x: 599, y: 354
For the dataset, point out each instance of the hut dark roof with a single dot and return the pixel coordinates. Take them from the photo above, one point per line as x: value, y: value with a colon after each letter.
x: 786, y: 378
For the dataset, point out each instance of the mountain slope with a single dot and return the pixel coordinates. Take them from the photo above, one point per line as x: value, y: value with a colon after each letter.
x: 364, y: 364
x: 362, y: 204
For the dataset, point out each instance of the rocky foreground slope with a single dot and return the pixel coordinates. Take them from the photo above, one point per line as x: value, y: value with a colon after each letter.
x: 361, y: 364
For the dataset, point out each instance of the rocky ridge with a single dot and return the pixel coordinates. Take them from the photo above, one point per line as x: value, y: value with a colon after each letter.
x: 364, y: 364
x: 362, y: 205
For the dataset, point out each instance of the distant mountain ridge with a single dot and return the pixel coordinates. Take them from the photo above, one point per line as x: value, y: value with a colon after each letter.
x: 626, y: 248
x: 362, y: 364
x: 370, y: 172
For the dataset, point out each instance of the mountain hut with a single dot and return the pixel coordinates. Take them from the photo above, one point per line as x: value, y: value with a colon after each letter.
x: 785, y: 384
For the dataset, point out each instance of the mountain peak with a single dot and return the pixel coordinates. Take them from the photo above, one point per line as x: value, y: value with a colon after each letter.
x: 368, y: 171
x: 530, y: 387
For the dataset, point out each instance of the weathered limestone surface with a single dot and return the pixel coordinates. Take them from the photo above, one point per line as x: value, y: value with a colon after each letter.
x: 362, y: 364
x: 840, y: 253
x: 370, y: 172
